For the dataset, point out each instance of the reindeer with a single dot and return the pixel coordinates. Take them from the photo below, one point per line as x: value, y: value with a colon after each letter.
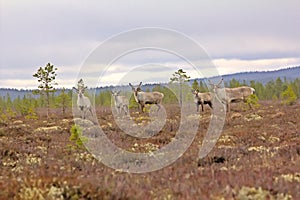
x: 201, y: 99
x: 121, y: 102
x: 143, y: 98
x: 233, y: 95
x: 83, y: 102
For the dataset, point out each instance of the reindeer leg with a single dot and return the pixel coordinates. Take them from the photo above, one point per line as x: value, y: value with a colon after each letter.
x: 90, y: 109
x: 83, y: 114
x: 81, y: 111
x: 228, y: 107
x: 121, y: 110
x: 250, y: 106
x: 158, y: 105
x: 210, y: 105
x: 125, y: 109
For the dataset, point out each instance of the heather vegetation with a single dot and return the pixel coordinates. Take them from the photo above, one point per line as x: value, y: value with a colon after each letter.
x: 256, y: 157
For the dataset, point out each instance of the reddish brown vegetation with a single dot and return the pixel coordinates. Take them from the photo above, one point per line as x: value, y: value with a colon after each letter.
x: 258, y: 149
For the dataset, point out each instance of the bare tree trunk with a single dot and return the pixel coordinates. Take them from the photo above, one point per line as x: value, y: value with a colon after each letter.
x: 48, y: 104
x: 180, y: 93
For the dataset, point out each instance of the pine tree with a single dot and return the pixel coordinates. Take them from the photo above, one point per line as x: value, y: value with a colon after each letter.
x: 195, y: 85
x: 288, y: 96
x: 259, y: 89
x: 180, y: 77
x: 103, y: 98
x: 2, y: 104
x: 234, y: 83
x: 9, y: 103
x: 46, y: 77
x: 270, y: 90
x: 202, y: 87
x: 296, y: 87
x: 27, y: 107
x: 63, y: 100
x: 279, y: 88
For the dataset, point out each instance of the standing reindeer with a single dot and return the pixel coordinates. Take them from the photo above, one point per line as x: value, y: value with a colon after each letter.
x: 201, y: 99
x: 83, y: 102
x: 121, y: 102
x: 143, y: 98
x: 233, y: 95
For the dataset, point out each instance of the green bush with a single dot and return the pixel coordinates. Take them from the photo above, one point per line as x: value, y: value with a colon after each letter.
x: 288, y: 96
x: 253, y: 101
x: 133, y: 103
x: 31, y: 114
x: 76, y: 136
x: 8, y: 116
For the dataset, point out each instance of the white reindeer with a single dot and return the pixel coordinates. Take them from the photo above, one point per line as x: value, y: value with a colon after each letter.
x: 202, y: 99
x: 233, y: 95
x: 143, y: 98
x: 121, y: 102
x: 83, y: 102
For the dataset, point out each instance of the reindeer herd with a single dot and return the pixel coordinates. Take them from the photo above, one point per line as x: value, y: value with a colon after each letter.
x: 232, y: 95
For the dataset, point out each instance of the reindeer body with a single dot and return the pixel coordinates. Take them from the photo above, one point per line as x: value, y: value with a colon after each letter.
x: 121, y: 102
x: 83, y: 102
x: 232, y: 95
x: 143, y: 98
x: 238, y: 94
x: 235, y: 95
x: 202, y: 99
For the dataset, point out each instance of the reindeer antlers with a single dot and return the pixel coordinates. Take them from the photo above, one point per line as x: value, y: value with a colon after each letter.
x: 74, y: 88
x: 220, y: 82
x: 138, y: 85
x: 217, y: 85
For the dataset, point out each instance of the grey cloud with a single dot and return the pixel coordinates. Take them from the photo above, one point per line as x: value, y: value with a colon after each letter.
x: 65, y: 32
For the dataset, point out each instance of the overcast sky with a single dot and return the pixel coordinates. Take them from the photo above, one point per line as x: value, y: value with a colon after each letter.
x: 237, y: 35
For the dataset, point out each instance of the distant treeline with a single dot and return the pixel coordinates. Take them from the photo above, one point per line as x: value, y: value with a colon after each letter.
x: 27, y: 104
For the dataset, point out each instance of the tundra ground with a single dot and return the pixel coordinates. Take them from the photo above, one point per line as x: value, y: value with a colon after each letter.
x: 256, y: 157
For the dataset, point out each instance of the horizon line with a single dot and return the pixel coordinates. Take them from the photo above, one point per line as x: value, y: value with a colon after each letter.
x: 229, y: 74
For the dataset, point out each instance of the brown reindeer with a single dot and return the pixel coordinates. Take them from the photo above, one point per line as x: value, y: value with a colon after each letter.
x: 232, y: 95
x: 202, y: 99
x: 143, y: 98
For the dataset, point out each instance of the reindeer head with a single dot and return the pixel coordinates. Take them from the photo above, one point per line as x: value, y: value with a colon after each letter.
x: 195, y: 92
x: 137, y: 89
x: 214, y: 87
x: 115, y: 93
x: 80, y: 90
